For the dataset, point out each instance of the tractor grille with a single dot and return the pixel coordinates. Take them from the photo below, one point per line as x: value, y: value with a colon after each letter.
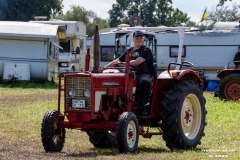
x: 78, y: 84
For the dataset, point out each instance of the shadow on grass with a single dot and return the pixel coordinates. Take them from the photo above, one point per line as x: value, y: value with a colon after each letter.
x: 29, y: 84
x: 163, y: 150
x: 94, y: 152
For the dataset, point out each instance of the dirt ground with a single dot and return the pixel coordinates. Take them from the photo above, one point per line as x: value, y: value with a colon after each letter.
x: 12, y: 149
x: 18, y: 145
x: 30, y: 151
x: 33, y: 150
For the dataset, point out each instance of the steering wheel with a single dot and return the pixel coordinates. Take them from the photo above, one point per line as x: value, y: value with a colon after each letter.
x: 135, y: 68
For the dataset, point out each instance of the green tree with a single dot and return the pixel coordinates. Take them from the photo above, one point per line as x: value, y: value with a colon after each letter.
x: 191, y: 24
x: 223, y: 13
x: 221, y: 2
x: 90, y: 18
x: 152, y: 12
x: 25, y: 10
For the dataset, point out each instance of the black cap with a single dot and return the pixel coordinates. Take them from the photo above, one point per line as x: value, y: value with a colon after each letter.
x: 137, y: 33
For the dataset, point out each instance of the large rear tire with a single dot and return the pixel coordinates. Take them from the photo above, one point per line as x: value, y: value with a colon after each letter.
x: 183, y: 115
x: 127, y: 133
x: 229, y: 87
x: 102, y: 139
x: 53, y: 136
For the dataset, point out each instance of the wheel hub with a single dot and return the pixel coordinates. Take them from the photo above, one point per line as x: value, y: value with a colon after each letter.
x: 131, y: 134
x: 188, y: 116
x: 191, y: 116
x: 232, y: 90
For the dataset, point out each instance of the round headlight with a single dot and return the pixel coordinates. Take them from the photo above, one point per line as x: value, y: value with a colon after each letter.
x: 71, y: 93
x: 86, y: 93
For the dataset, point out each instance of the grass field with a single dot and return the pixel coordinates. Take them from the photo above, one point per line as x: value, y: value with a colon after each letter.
x: 22, y: 108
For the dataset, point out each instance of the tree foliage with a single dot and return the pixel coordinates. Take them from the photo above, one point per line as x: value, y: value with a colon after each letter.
x: 223, y: 13
x: 25, y: 10
x: 90, y: 18
x: 152, y: 12
x: 221, y: 2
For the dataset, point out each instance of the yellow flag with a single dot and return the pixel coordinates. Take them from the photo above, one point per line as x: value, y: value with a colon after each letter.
x: 204, y: 15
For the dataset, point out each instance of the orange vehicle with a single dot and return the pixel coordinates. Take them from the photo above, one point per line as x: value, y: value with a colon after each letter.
x: 229, y: 86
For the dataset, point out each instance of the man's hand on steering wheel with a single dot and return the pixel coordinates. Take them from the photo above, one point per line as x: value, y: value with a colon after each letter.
x: 122, y: 64
x: 119, y: 64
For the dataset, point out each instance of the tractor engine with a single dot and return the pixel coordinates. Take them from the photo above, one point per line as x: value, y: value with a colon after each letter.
x: 94, y: 96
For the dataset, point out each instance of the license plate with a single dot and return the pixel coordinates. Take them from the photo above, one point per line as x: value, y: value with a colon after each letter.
x: 78, y: 103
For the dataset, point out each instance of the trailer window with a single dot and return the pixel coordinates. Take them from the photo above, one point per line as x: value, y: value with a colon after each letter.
x: 65, y: 45
x: 107, y: 53
x: 174, y: 51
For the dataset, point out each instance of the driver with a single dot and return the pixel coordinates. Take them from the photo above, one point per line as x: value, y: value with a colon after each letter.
x: 237, y: 58
x: 141, y: 57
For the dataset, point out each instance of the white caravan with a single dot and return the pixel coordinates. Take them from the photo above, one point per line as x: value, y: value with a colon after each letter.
x: 29, y: 51
x: 209, y: 50
x: 72, y: 54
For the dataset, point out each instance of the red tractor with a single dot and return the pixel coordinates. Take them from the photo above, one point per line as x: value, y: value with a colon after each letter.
x: 103, y: 103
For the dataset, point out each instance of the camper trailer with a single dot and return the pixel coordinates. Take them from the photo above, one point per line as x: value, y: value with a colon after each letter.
x: 208, y: 50
x: 29, y: 51
x: 73, y: 52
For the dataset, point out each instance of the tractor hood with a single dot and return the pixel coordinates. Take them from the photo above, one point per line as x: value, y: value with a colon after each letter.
x: 104, y: 80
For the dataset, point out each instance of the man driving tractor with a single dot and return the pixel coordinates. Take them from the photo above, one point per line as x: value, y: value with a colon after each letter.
x: 141, y: 57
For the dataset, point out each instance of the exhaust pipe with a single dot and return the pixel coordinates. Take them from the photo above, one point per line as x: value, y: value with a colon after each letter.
x: 87, y: 60
x: 96, y: 51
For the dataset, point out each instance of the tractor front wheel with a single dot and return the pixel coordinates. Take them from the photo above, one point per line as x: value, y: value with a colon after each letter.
x: 127, y: 133
x: 183, y: 115
x: 53, y: 136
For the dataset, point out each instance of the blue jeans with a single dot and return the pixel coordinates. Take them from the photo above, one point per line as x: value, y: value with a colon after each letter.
x: 143, y: 87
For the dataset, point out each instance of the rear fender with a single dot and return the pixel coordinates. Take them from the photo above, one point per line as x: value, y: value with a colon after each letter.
x: 225, y: 72
x: 181, y: 74
x: 165, y: 81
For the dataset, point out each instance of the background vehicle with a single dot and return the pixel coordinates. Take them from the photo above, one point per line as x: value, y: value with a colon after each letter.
x: 229, y: 86
x: 104, y: 104
x: 208, y: 50
x: 73, y: 52
x: 29, y: 51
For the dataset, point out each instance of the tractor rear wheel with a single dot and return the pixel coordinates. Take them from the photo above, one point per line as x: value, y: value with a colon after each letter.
x: 53, y: 136
x: 183, y: 115
x: 102, y: 139
x: 127, y: 133
x: 229, y: 87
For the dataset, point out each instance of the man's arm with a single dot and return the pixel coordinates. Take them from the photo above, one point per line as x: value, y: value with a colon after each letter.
x: 111, y: 64
x: 137, y: 61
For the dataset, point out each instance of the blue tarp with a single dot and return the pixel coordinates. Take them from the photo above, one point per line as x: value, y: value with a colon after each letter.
x: 212, y: 86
